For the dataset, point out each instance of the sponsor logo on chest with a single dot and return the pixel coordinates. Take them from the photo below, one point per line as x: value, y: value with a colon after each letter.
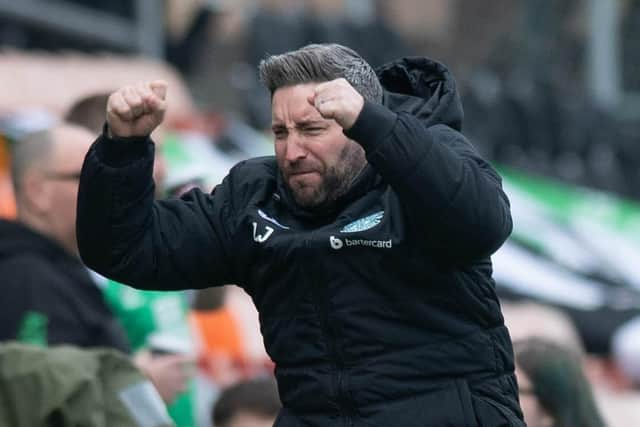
x: 361, y: 224
x: 340, y: 242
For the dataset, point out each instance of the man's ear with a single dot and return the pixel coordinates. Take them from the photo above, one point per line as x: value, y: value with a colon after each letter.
x: 35, y: 193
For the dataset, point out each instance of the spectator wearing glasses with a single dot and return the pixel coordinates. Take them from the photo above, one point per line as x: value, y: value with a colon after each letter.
x: 48, y: 295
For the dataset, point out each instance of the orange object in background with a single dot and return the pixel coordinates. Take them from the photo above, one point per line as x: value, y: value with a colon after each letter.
x: 225, y: 357
x: 222, y: 357
x: 219, y: 332
x: 7, y: 201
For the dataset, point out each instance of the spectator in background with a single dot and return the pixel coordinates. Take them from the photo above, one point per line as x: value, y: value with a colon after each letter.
x: 554, y: 391
x: 48, y: 295
x: 154, y: 322
x: 620, y: 408
x: 252, y: 403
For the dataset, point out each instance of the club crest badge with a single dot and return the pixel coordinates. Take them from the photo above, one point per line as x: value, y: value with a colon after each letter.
x: 362, y: 224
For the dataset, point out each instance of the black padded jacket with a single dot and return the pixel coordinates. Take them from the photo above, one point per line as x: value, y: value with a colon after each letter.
x: 380, y: 311
x: 49, y: 297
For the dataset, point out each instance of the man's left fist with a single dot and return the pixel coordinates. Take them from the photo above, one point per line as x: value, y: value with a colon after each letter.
x: 338, y: 100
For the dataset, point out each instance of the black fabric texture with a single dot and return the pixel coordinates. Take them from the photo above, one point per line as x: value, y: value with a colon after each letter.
x: 39, y: 276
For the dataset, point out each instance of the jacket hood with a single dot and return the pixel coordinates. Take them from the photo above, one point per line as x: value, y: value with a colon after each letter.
x: 424, y: 88
x: 17, y: 239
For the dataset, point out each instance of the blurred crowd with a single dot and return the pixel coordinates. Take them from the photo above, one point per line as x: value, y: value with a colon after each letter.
x: 520, y: 68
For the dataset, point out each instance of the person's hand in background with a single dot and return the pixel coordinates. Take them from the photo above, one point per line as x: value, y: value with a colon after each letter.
x: 170, y: 373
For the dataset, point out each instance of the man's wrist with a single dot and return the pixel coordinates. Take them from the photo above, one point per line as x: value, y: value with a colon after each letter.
x: 118, y: 152
x: 372, y: 125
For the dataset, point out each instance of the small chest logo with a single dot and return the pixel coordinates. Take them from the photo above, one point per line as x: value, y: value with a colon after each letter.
x: 362, y: 224
x: 261, y: 238
x: 335, y: 242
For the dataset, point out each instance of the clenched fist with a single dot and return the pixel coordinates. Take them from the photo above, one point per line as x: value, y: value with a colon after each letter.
x: 136, y: 110
x: 338, y: 100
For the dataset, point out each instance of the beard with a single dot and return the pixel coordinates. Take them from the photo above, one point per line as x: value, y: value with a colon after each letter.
x: 335, y: 182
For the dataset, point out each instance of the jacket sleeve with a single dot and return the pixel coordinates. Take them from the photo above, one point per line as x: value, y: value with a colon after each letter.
x: 126, y: 236
x: 453, y: 198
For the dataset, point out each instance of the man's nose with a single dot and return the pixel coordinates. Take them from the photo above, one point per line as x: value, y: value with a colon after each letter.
x: 295, y: 148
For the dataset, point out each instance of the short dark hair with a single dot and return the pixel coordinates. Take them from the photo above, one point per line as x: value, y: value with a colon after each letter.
x: 321, y: 63
x: 257, y: 396
x: 89, y: 112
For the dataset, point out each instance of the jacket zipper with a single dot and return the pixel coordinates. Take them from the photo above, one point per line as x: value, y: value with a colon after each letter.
x: 321, y: 292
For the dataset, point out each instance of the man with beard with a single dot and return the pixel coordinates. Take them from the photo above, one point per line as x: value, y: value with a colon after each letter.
x: 365, y: 243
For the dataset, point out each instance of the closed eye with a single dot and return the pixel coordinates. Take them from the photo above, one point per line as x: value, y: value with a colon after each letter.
x: 313, y: 130
x: 280, y: 133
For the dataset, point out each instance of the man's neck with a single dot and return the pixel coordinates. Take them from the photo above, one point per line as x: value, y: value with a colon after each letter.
x: 41, y: 226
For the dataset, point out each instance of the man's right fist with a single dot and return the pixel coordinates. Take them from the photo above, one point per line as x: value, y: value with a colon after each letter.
x: 135, y: 111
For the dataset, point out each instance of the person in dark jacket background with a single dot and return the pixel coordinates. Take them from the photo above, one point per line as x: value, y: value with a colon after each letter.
x: 48, y: 295
x: 365, y: 243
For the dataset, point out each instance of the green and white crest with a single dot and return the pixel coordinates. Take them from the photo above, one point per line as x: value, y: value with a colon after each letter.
x: 362, y: 224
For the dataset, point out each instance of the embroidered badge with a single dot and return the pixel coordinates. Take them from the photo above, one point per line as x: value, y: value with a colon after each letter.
x: 363, y: 223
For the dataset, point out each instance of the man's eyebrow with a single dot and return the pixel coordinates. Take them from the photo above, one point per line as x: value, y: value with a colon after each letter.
x: 301, y: 124
x: 308, y: 123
